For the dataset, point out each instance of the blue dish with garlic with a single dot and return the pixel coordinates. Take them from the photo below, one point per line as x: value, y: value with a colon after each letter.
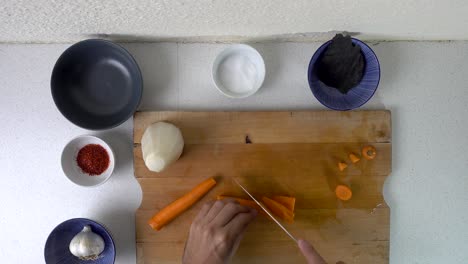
x: 79, y: 241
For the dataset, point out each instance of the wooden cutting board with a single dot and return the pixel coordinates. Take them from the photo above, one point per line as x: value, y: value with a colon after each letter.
x: 284, y: 153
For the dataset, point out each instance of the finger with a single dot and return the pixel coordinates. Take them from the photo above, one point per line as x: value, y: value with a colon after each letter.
x: 228, y: 200
x: 309, y: 252
x: 241, y: 234
x: 236, y: 243
x: 229, y: 211
x: 239, y: 223
x: 203, y: 211
x: 214, y: 211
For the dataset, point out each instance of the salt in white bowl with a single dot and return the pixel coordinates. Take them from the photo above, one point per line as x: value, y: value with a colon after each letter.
x: 238, y: 71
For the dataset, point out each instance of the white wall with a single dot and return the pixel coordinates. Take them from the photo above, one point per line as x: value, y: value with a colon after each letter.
x: 231, y: 20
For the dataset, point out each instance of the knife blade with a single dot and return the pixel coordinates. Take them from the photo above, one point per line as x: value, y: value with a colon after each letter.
x: 265, y: 210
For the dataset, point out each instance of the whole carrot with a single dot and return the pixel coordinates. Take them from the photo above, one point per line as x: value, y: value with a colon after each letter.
x: 168, y: 213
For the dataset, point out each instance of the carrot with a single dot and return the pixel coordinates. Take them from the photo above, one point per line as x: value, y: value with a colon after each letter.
x: 287, y: 201
x: 168, y: 213
x: 369, y: 152
x: 241, y: 201
x: 343, y: 192
x: 342, y: 166
x: 278, y: 209
x: 354, y: 158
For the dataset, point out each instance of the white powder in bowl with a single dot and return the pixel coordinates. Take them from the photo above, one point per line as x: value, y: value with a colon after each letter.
x: 237, y: 73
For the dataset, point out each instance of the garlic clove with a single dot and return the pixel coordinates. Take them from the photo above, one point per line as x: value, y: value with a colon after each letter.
x: 87, y: 245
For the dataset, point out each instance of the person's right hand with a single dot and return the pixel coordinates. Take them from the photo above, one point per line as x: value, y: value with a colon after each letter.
x: 310, y: 253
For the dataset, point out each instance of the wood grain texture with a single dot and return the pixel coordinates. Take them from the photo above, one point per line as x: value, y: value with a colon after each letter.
x: 288, y: 159
x: 291, y: 153
x: 273, y: 127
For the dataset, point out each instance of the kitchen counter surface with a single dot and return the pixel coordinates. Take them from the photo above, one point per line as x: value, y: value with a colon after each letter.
x: 424, y: 84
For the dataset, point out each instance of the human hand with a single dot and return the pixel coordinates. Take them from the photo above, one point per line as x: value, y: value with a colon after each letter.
x: 311, y: 255
x: 216, y: 232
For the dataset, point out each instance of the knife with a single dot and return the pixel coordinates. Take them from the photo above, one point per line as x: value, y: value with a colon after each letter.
x: 266, y: 211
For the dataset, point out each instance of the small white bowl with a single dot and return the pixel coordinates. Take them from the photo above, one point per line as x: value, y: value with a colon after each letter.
x: 238, y: 71
x: 70, y: 165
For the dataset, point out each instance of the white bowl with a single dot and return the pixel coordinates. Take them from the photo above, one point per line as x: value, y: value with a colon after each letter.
x: 238, y: 71
x: 70, y: 166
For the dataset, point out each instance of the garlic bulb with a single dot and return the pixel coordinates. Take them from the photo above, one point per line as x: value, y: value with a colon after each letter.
x: 87, y: 245
x: 161, y: 144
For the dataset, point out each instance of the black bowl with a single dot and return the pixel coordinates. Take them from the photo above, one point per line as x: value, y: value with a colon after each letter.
x: 96, y: 84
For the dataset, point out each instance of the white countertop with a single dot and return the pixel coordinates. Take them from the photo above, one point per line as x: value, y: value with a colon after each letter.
x: 424, y: 84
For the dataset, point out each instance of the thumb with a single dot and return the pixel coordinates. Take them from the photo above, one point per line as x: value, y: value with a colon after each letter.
x: 309, y: 252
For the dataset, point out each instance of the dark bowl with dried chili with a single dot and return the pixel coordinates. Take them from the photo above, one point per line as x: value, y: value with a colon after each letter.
x: 88, y: 161
x: 346, y: 77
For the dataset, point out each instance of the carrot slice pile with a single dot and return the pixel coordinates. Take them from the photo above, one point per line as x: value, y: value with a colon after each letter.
x: 287, y: 201
x: 343, y: 192
x: 281, y: 206
x: 168, y: 213
x: 279, y: 209
x: 241, y: 201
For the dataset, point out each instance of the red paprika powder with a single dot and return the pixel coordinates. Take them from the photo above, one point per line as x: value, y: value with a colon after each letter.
x: 93, y: 159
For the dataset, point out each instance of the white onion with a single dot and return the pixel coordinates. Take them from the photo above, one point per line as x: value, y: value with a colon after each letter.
x: 161, y: 144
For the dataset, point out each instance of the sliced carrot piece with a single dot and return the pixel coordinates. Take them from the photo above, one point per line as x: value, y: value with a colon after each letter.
x: 168, y: 213
x: 354, y: 158
x: 288, y: 201
x: 342, y: 166
x: 241, y: 201
x: 343, y: 192
x: 369, y: 152
x: 279, y: 210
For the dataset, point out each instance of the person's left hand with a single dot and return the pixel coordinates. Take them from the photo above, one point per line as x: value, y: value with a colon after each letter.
x: 216, y: 232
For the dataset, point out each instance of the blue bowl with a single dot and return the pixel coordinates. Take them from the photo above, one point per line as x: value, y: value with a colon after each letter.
x: 57, y: 250
x: 358, y: 95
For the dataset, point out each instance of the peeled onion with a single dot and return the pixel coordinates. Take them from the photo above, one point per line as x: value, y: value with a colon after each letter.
x: 161, y: 144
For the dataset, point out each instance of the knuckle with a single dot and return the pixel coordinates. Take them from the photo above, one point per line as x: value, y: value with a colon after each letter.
x: 196, y: 226
x: 206, y: 206
x: 219, y: 204
x: 210, y: 231
x: 221, y: 238
x: 232, y: 206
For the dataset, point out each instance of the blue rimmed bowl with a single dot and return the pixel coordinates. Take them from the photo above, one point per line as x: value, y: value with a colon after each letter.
x: 57, y: 250
x: 358, y: 95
